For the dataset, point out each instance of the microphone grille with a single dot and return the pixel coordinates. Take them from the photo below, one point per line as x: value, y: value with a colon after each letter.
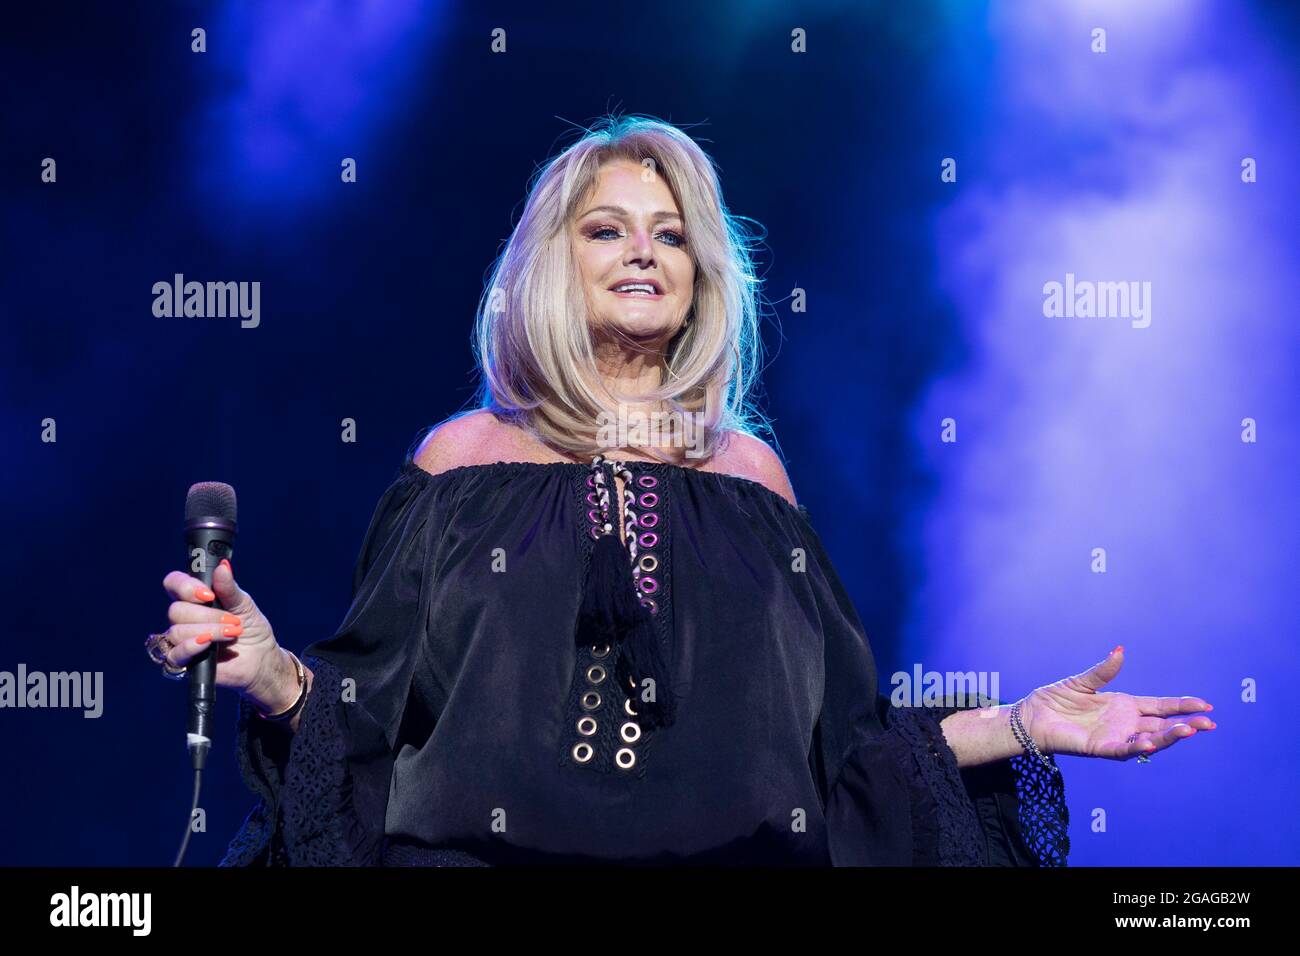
x: 210, y: 499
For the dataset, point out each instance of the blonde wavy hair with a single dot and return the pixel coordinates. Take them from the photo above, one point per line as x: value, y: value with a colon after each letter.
x: 532, y: 339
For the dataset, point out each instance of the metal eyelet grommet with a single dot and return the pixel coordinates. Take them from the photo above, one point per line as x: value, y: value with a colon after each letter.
x: 649, y: 585
x: 594, y: 516
x: 630, y: 732
x: 600, y: 651
x: 627, y: 708
x: 631, y: 682
x: 649, y: 499
x: 591, y: 481
x: 650, y: 603
x: 648, y: 481
x: 586, y: 726
x: 590, y: 700
x: 625, y: 758
x: 596, y: 531
x: 647, y: 563
x: 582, y: 752
x: 649, y: 519
x: 595, y: 674
x: 649, y: 539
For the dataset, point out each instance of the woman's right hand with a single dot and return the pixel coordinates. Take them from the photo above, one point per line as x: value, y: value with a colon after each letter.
x: 249, y: 660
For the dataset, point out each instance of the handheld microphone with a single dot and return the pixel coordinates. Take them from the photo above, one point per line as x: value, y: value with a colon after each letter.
x: 210, y: 531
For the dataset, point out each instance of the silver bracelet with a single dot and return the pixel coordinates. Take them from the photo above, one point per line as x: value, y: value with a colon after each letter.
x: 1026, y: 741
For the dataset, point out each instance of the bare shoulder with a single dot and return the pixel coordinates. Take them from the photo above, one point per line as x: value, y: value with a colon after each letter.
x: 468, y: 439
x: 747, y: 456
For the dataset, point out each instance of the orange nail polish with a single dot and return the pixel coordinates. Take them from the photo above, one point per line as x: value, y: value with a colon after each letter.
x: 203, y: 639
x: 232, y: 630
x: 204, y: 594
x: 229, y: 618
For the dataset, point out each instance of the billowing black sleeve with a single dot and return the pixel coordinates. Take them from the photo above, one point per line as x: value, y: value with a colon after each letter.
x: 322, y: 792
x: 894, y: 795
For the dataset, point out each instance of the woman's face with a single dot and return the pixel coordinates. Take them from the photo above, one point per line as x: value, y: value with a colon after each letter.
x: 631, y: 231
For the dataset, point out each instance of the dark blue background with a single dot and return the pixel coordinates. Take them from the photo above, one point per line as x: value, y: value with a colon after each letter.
x: 225, y: 166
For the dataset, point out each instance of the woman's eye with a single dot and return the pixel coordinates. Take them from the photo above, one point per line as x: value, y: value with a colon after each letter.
x: 676, y: 239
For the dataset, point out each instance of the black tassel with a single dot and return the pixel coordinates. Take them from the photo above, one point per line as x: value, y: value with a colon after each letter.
x: 642, y: 658
x: 609, y: 603
x: 611, y: 614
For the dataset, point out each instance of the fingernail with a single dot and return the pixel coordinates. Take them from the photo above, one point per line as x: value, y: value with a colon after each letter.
x: 203, y: 639
x: 233, y: 630
x: 226, y: 562
x: 1118, y: 648
x: 1209, y: 707
x: 204, y: 594
x: 230, y: 618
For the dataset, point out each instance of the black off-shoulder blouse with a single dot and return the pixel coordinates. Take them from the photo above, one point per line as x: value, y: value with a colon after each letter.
x: 454, y: 719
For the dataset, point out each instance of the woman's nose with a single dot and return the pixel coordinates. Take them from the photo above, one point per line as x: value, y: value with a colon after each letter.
x: 639, y: 247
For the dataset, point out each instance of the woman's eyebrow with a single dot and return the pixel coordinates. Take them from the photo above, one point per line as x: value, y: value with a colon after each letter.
x: 619, y: 210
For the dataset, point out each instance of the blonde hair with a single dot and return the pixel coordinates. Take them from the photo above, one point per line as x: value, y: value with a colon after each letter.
x: 532, y: 339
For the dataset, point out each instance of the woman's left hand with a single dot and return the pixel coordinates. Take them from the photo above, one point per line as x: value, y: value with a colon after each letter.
x: 1074, y: 716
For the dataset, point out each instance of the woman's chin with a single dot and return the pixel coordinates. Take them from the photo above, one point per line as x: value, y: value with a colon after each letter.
x: 640, y: 325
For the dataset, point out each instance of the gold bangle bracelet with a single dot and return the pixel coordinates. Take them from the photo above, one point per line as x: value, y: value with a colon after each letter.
x: 302, y: 694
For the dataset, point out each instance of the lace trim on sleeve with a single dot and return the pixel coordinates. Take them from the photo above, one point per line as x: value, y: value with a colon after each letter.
x: 936, y: 765
x: 1044, y: 816
x: 261, y: 755
x: 1041, y: 819
x: 317, y: 813
x: 303, y: 815
x: 249, y: 846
